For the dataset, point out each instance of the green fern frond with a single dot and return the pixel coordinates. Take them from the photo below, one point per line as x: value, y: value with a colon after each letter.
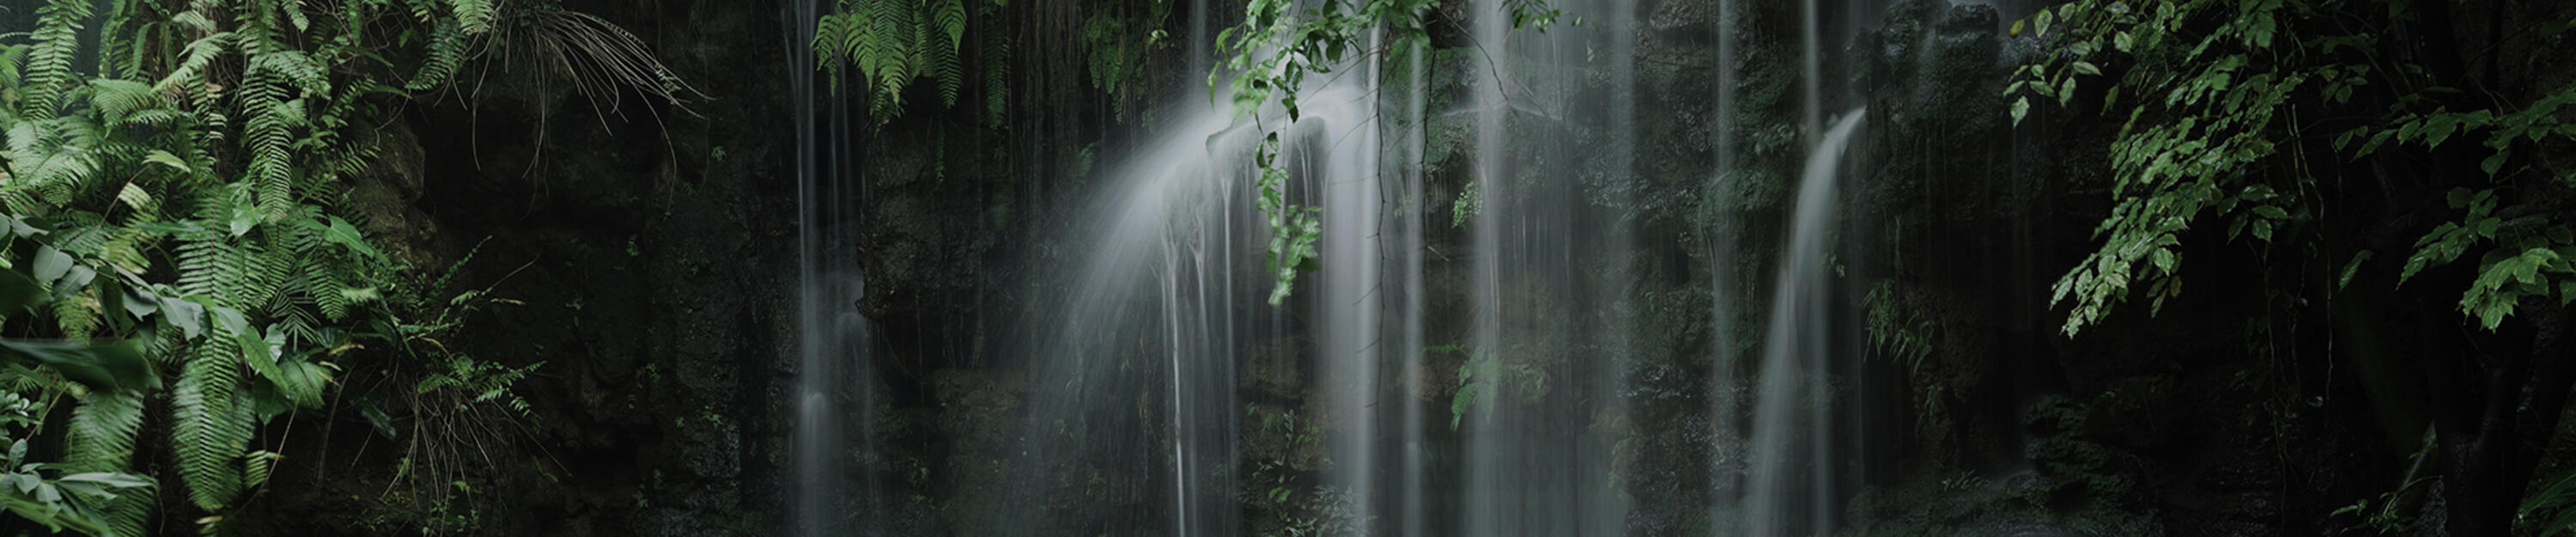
x: 293, y: 66
x: 951, y: 72
x: 950, y: 15
x: 474, y: 15
x: 205, y: 438
x: 57, y: 42
x: 191, y: 70
x: 102, y: 431
x: 447, y: 47
x: 78, y: 316
x: 859, y: 42
x: 827, y: 41
x: 894, y: 35
x: 117, y: 99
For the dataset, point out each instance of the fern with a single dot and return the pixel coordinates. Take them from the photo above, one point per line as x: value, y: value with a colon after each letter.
x: 205, y: 435
x: 890, y: 44
x: 447, y: 47
x: 57, y: 42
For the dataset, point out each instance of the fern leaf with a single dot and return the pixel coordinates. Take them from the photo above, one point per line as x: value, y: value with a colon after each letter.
x: 191, y: 70
x: 102, y: 431
x: 77, y: 316
x: 57, y: 42
x: 894, y: 35
x: 950, y: 15
x: 859, y: 40
x: 943, y: 62
x: 447, y: 46
x: 203, y: 434
x: 475, y: 16
x: 117, y: 99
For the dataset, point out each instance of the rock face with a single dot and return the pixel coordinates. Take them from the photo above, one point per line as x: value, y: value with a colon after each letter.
x: 652, y: 258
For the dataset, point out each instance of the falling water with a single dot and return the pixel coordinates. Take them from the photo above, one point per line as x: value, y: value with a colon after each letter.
x: 1552, y: 247
x: 1406, y: 243
x: 1167, y: 257
x: 1795, y: 404
x: 834, y: 383
x: 1350, y: 284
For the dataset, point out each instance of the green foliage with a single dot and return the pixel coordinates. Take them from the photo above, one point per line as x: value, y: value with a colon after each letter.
x: 175, y: 215
x: 1470, y: 201
x: 2551, y: 511
x: 2211, y: 100
x: 889, y: 44
x: 1899, y: 330
x: 1484, y: 377
x: 1269, y: 58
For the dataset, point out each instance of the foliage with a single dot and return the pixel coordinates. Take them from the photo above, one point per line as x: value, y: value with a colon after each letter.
x: 450, y: 412
x: 2386, y: 514
x: 1267, y: 60
x: 2276, y: 117
x: 1898, y: 330
x: 2213, y: 129
x: 1484, y: 376
x: 176, y: 210
x: 2552, y: 510
x: 887, y: 45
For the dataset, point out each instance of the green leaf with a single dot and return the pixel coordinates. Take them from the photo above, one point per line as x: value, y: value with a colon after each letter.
x: 2020, y: 108
x: 164, y: 158
x: 190, y: 317
x: 101, y: 365
x: 2350, y: 268
x: 2085, y: 67
x: 340, y: 232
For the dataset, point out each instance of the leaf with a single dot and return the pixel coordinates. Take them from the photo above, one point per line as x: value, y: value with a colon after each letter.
x: 101, y: 365
x: 51, y: 264
x: 2020, y: 108
x: 2085, y: 67
x: 2271, y: 211
x: 18, y: 292
x: 340, y: 232
x: 190, y: 317
x: 2350, y: 268
x: 164, y: 158
x: 109, y: 479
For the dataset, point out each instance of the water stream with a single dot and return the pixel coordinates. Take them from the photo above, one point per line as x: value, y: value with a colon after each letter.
x: 1146, y: 353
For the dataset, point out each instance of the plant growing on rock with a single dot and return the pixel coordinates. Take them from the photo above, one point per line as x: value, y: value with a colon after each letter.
x: 2368, y: 149
x: 177, y: 208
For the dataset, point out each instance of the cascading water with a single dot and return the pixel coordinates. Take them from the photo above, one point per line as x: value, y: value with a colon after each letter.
x: 1553, y: 245
x: 1794, y: 408
x: 835, y: 385
x: 1136, y: 369
x: 1171, y: 259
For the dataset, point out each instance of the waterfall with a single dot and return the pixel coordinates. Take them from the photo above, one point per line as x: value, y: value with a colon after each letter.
x: 1553, y: 282
x: 1350, y: 283
x: 1168, y: 253
x: 1795, y: 401
x: 1406, y: 248
x: 1144, y: 349
x: 835, y: 385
